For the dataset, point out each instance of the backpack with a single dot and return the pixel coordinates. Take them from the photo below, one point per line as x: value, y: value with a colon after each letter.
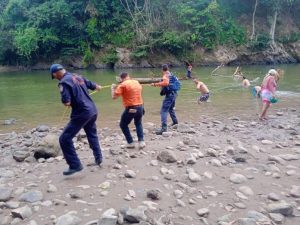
x: 174, y: 85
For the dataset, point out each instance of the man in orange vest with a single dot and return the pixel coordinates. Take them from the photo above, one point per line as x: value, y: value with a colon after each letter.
x: 131, y: 92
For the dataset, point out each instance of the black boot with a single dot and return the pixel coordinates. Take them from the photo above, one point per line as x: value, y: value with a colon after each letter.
x: 161, y: 130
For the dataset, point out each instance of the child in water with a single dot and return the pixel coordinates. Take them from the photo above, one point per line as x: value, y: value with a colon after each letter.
x: 268, y: 89
x: 189, y: 70
x: 256, y: 91
x: 202, y: 88
x: 245, y: 82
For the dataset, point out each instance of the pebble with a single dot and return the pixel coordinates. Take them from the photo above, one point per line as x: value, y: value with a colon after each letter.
x: 178, y: 194
x: 267, y: 142
x: 295, y: 191
x: 280, y: 207
x: 277, y: 218
x: 167, y: 156
x: 22, y: 213
x: 203, y: 212
x: 246, y: 190
x: 31, y: 196
x: 68, y: 219
x: 153, y: 194
x: 5, y: 194
x: 240, y: 205
x: 237, y: 178
x: 273, y: 197
x: 130, y: 174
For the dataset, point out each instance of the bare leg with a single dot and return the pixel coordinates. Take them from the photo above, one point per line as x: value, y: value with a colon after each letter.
x: 265, y: 108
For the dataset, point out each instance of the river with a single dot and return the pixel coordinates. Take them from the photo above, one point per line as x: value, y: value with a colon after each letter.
x: 32, y: 98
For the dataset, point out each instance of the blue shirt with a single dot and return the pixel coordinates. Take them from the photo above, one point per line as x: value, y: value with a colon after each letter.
x: 74, y: 89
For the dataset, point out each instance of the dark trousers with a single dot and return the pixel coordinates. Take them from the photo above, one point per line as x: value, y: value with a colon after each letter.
x: 72, y: 128
x: 168, y: 107
x: 130, y: 113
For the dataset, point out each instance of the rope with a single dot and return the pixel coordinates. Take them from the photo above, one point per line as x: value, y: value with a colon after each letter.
x: 68, y: 107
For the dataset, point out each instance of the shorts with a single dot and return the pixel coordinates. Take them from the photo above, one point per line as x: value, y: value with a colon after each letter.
x: 204, y: 97
x: 266, y: 95
x: 255, y: 94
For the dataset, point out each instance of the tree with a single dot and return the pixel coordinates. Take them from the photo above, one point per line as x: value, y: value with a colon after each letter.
x: 253, y: 20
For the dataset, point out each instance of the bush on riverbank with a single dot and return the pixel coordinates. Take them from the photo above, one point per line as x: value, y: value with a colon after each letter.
x: 35, y: 31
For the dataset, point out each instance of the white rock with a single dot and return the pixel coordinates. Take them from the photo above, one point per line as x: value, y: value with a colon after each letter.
x: 237, y: 178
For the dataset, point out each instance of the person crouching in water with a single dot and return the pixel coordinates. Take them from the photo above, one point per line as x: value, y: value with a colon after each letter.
x: 268, y: 89
x: 131, y: 92
x: 256, y: 90
x: 245, y: 82
x: 202, y: 88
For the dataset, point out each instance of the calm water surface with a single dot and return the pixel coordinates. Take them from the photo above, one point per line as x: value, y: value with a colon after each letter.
x: 33, y: 98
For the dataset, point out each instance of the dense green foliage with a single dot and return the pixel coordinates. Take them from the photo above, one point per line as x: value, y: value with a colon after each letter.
x: 44, y: 30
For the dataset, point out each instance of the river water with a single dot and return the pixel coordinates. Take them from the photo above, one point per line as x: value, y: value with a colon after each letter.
x: 32, y: 98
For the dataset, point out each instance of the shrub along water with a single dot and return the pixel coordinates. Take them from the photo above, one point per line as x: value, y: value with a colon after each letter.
x: 35, y: 30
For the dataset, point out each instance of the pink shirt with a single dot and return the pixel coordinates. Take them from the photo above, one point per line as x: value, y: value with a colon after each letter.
x: 269, y: 84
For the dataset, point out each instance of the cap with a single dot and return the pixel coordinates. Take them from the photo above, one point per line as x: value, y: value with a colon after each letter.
x: 165, y: 67
x: 54, y: 68
x: 123, y: 75
x: 272, y: 71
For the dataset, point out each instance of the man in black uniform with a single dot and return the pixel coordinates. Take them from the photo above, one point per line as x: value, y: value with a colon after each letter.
x: 74, y: 93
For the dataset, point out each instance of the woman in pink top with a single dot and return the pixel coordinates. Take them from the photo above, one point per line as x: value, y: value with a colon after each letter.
x: 268, y: 89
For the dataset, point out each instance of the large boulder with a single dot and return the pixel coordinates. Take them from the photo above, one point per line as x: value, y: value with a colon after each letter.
x: 48, y: 147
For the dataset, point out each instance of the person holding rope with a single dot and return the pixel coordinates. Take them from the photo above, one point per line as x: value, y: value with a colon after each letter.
x: 169, y: 100
x: 74, y: 93
x: 131, y: 92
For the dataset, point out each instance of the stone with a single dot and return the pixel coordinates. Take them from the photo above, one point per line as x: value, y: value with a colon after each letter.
x: 280, y: 207
x: 246, y: 190
x: 277, y: 218
x: 246, y: 221
x: 259, y: 217
x: 5, y: 220
x: 203, y: 212
x: 184, y: 128
x: 107, y: 221
x: 51, y: 188
x: 135, y: 215
x: 178, y: 194
x: 31, y: 196
x: 130, y: 174
x: 289, y: 157
x: 295, y: 191
x: 5, y: 194
x: 42, y: 128
x: 153, y: 194
x: 216, y: 162
x: 194, y: 177
x: 237, y: 178
x: 273, y: 197
x: 12, y: 205
x: 167, y: 156
x: 240, y: 205
x: 32, y: 222
x: 20, y: 155
x: 109, y: 217
x: 267, y: 142
x: 22, y: 213
x: 48, y: 147
x: 68, y: 219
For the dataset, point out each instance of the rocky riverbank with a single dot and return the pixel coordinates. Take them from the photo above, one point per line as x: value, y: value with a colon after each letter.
x: 279, y: 54
x: 229, y: 172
